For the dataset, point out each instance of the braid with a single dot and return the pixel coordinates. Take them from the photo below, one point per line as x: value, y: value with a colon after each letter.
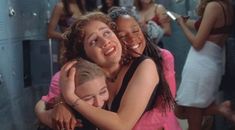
x: 163, y: 90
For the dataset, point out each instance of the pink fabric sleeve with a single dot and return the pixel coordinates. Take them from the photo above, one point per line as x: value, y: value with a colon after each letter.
x: 54, y: 90
x: 169, y: 70
x: 155, y: 119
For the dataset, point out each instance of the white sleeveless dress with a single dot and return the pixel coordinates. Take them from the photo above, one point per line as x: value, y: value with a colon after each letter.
x: 201, y: 76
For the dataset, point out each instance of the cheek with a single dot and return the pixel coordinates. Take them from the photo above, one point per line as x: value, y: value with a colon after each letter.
x: 90, y: 102
x: 105, y: 97
x: 92, y: 52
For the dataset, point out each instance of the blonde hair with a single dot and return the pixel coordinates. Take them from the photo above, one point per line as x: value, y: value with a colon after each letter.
x: 86, y: 71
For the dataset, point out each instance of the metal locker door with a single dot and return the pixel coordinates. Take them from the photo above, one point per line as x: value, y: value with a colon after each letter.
x: 5, y: 101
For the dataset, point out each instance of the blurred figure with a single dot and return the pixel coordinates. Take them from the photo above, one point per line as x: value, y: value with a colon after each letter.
x: 107, y: 4
x: 150, y: 13
x: 90, y: 5
x: 64, y: 14
x: 203, y: 69
x: 148, y: 10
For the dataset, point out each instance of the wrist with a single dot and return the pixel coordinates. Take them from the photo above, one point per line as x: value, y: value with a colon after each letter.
x: 63, y: 36
x: 185, y: 18
x: 75, y: 102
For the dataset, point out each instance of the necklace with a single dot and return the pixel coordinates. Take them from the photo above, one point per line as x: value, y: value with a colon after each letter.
x: 113, y: 78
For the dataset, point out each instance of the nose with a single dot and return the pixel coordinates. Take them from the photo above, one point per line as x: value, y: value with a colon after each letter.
x: 104, y: 42
x: 130, y: 38
x: 98, y: 102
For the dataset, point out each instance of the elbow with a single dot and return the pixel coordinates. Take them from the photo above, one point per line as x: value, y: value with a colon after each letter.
x: 197, y: 46
x: 167, y: 33
x: 49, y: 35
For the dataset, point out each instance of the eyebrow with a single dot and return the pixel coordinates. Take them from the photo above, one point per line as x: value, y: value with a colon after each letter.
x: 100, y: 29
x: 92, y: 95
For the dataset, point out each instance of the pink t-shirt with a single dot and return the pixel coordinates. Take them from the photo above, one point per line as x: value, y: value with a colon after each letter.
x: 54, y: 90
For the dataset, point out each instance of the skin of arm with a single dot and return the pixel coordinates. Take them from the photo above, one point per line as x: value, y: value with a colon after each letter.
x: 43, y: 115
x: 133, y: 102
x: 60, y: 116
x: 208, y: 22
x: 164, y: 19
x: 190, y: 24
x: 56, y: 14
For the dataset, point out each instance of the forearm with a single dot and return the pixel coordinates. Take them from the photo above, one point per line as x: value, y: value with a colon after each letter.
x: 190, y: 24
x: 189, y: 35
x: 42, y: 114
x: 55, y: 35
x: 167, y: 31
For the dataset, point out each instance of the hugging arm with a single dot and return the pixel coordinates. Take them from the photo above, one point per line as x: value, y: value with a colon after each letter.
x: 133, y: 102
x: 59, y: 115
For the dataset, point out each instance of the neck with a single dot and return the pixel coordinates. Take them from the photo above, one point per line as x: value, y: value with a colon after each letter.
x: 112, y: 72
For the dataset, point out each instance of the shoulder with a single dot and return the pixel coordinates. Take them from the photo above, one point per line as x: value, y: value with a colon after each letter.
x: 147, y: 64
x: 159, y: 7
x: 213, y: 10
x: 166, y: 53
x: 56, y: 77
x: 59, y: 6
x: 213, y: 6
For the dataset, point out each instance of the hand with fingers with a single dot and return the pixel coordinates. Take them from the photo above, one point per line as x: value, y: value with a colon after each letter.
x: 63, y: 118
x: 67, y: 82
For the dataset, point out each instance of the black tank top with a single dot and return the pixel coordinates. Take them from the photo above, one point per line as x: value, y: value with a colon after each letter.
x: 116, y: 102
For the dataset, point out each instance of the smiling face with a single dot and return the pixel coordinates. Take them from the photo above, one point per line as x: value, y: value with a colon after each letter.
x: 94, y: 91
x: 130, y: 34
x: 101, y: 44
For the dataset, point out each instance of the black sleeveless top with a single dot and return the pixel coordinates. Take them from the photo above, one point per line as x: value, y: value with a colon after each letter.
x: 116, y: 102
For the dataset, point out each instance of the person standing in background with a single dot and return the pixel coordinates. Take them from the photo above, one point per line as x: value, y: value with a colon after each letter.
x: 64, y: 14
x: 150, y: 11
x: 203, y: 69
x: 107, y: 4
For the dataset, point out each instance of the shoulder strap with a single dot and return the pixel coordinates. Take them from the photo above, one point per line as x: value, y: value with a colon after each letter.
x: 127, y: 78
x: 225, y: 16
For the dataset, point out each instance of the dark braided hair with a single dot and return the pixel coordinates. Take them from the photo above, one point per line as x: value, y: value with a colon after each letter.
x: 153, y: 51
x: 74, y: 47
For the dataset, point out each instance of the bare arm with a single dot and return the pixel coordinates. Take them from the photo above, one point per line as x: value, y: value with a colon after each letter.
x: 133, y: 103
x: 208, y: 22
x: 56, y: 14
x: 164, y: 20
x: 43, y: 115
x: 60, y: 115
